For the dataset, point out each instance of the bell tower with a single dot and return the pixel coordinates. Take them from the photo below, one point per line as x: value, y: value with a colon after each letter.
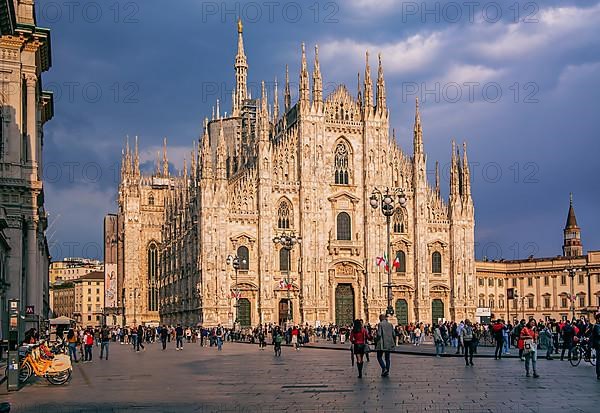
x: 572, y: 234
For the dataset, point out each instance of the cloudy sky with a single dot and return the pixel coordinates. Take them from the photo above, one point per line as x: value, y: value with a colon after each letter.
x: 519, y: 81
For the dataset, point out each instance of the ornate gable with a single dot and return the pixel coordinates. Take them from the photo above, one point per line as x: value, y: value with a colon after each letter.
x: 340, y: 106
x: 244, y: 239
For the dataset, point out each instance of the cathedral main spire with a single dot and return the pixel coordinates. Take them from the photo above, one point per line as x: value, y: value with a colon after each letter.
x: 241, y: 73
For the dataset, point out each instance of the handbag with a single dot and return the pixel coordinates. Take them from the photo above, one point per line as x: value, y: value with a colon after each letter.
x: 528, y: 346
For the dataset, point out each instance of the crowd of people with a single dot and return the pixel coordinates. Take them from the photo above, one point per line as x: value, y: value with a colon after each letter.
x: 464, y: 337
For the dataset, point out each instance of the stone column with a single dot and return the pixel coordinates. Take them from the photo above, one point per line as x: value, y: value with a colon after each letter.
x: 32, y: 274
x: 31, y: 83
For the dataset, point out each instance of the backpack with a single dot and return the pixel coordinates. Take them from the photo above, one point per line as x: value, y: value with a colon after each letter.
x: 496, y: 328
x: 278, y: 338
x: 219, y: 331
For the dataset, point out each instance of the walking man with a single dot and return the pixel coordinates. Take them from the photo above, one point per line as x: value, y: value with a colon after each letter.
x: 164, y: 334
x: 385, y: 344
x: 498, y: 331
x: 140, y: 338
x: 179, y: 337
x: 595, y: 342
x: 104, y: 341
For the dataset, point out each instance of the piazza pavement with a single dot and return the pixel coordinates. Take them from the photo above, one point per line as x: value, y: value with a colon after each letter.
x: 241, y: 378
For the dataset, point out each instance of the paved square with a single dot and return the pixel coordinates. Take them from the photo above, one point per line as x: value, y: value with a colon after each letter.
x: 242, y: 378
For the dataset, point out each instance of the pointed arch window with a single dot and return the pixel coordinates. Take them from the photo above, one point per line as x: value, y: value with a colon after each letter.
x: 399, y: 223
x: 152, y: 277
x: 344, y: 227
x: 244, y: 256
x: 283, y: 215
x: 342, y: 165
x: 151, y: 200
x: 436, y: 263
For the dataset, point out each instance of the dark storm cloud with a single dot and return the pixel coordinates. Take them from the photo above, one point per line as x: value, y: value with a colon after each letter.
x: 155, y: 70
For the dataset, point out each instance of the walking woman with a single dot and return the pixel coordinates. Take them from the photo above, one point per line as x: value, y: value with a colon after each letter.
x: 466, y: 336
x: 358, y: 338
x: 72, y: 340
x: 529, y: 338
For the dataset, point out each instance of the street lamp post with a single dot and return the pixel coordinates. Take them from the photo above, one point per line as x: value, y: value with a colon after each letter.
x: 287, y: 240
x: 388, y: 200
x: 135, y: 294
x: 235, y: 262
x: 571, y: 271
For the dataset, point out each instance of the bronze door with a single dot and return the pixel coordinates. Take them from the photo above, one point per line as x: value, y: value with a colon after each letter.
x: 402, y: 312
x: 344, y: 305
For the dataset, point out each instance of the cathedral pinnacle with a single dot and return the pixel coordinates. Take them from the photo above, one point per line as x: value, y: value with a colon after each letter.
x: 368, y: 86
x: 304, y: 97
x: 317, y: 80
x: 418, y: 131
x: 287, y: 99
x: 165, y: 166
x: 381, y: 100
x: 136, y: 159
x: 275, y: 102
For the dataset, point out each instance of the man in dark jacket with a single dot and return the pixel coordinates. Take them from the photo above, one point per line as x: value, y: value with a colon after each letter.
x: 567, y: 332
x: 104, y: 341
x: 498, y: 332
x: 179, y: 337
x: 595, y: 341
x: 164, y: 335
x: 140, y: 338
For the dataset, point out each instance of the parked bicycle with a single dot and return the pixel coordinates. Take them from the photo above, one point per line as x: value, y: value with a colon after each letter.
x: 583, y: 350
x: 43, y: 362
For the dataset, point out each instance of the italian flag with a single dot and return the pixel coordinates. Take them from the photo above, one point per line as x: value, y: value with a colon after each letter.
x: 396, y: 263
x: 379, y: 261
x: 285, y: 284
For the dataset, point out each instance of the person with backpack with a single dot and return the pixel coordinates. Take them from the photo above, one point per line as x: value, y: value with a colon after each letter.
x: 468, y: 341
x: 498, y: 332
x: 595, y: 342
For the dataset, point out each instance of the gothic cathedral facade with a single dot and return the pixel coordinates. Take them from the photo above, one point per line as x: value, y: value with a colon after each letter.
x: 307, y: 170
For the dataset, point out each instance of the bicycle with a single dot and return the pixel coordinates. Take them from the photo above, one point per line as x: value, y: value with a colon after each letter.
x: 39, y: 360
x: 583, y: 349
